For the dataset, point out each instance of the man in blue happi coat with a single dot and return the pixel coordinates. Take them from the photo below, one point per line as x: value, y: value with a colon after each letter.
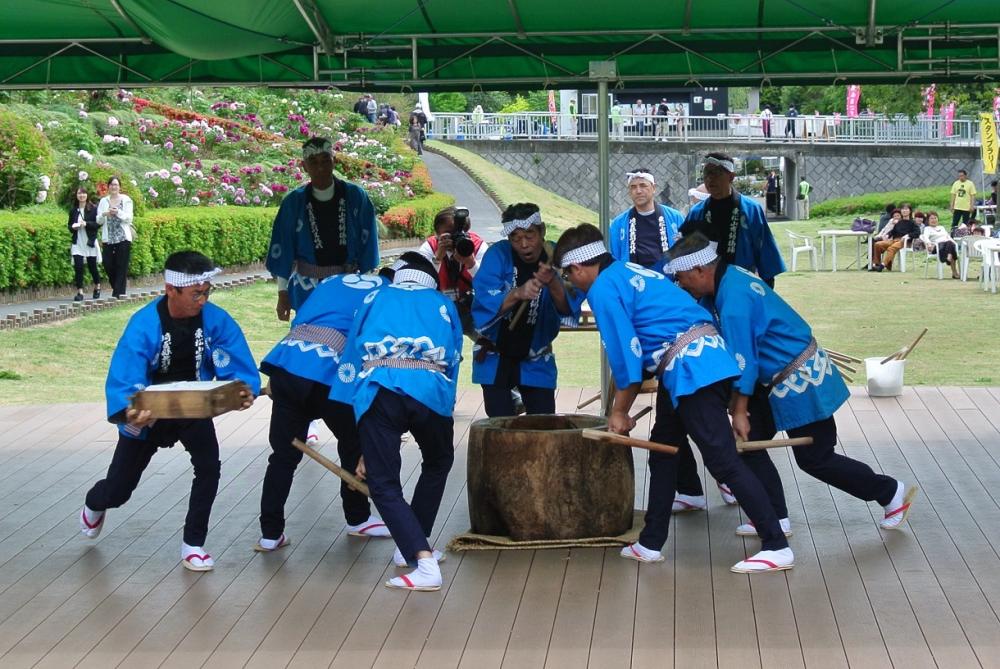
x: 399, y: 371
x: 787, y: 382
x: 324, y: 228
x: 739, y: 226
x: 302, y: 367
x: 648, y: 324
x: 178, y: 337
x: 643, y: 233
x: 518, y: 307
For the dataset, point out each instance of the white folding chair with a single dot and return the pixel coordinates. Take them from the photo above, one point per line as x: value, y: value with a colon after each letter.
x: 903, y: 252
x: 803, y: 244
x: 989, y: 249
x: 967, y: 250
x: 932, y: 257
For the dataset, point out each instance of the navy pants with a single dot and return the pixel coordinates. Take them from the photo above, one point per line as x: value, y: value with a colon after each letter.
x: 295, y: 402
x: 381, y: 429
x: 132, y: 455
x: 704, y: 416
x: 820, y: 460
x: 497, y: 400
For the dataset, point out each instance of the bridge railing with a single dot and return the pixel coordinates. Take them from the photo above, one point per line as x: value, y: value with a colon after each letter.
x: 821, y: 129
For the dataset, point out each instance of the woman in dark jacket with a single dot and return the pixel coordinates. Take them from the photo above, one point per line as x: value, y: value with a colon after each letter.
x: 83, y: 230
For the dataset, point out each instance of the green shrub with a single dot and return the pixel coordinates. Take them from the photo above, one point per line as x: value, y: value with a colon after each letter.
x: 97, y: 175
x: 25, y: 157
x: 414, y: 218
x: 936, y: 197
x: 34, y: 249
x: 73, y: 136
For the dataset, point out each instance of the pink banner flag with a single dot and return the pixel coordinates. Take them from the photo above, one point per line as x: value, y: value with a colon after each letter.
x: 853, y: 99
x: 552, y: 107
x: 996, y: 106
x: 929, y: 94
x: 948, y: 112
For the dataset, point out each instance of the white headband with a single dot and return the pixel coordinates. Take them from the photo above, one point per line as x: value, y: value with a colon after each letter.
x: 724, y: 164
x: 522, y: 223
x: 418, y: 276
x: 697, y: 259
x: 583, y: 253
x: 698, y: 194
x: 632, y: 176
x: 182, y: 280
x: 399, y: 264
x: 313, y: 148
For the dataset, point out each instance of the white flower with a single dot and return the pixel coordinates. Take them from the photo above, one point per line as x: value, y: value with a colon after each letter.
x: 152, y: 193
x: 40, y: 126
x: 107, y: 139
x: 112, y: 121
x: 42, y: 194
x: 177, y: 181
x: 176, y: 167
x: 83, y: 175
x: 52, y: 124
x: 195, y: 200
x: 86, y: 155
x: 83, y: 114
x: 46, y: 182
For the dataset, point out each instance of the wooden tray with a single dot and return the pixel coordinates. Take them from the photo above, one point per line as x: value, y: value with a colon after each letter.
x: 190, y: 399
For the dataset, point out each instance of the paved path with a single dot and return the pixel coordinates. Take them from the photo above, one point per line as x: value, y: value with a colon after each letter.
x: 451, y: 179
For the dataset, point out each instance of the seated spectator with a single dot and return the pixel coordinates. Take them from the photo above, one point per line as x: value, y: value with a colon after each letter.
x: 886, y: 216
x: 973, y: 227
x: 893, y: 237
x: 920, y: 219
x: 937, y: 240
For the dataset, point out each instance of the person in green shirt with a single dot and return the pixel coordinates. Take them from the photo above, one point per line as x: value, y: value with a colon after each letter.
x: 963, y: 199
x: 803, y: 199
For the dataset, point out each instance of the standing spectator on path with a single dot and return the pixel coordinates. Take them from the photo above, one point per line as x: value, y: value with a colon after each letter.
x: 792, y: 114
x: 766, y: 117
x: 323, y: 228
x: 963, y: 200
x: 83, y: 231
x: 617, y: 122
x: 639, y: 116
x: 361, y: 106
x: 663, y: 123
x: 371, y: 109
x: 415, y: 134
x: 114, y: 214
x: 803, y: 199
x: 771, y: 197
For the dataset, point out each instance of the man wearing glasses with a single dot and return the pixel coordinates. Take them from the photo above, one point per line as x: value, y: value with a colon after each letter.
x: 178, y: 337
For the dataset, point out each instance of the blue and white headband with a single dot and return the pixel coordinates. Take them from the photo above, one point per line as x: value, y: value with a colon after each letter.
x: 705, y: 256
x: 724, y: 164
x: 522, y: 223
x: 583, y: 253
x: 632, y: 176
x: 315, y: 148
x: 183, y: 280
x: 418, y: 276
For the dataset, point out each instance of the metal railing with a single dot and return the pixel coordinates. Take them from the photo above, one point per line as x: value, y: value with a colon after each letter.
x: 836, y: 129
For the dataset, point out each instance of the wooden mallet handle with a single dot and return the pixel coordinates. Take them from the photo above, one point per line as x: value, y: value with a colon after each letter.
x: 743, y: 446
x: 589, y: 401
x: 342, y: 473
x: 611, y: 437
x: 518, y: 315
x: 642, y: 413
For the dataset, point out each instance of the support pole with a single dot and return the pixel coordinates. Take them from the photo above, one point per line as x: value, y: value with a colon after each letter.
x: 603, y: 71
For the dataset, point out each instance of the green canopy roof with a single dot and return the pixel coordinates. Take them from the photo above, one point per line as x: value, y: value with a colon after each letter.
x: 490, y: 44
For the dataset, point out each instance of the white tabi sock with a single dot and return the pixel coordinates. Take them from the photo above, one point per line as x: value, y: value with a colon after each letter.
x: 93, y: 517
x: 426, y: 577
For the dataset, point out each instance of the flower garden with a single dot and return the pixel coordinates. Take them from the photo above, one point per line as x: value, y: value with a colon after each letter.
x: 222, y: 149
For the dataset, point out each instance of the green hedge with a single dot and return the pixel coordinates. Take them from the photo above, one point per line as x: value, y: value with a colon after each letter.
x: 872, y: 204
x: 34, y: 248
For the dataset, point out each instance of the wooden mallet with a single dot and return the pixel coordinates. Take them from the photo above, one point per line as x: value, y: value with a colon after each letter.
x: 906, y: 350
x: 346, y: 476
x: 744, y: 446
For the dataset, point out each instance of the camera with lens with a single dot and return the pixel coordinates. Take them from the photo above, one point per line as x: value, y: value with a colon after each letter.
x: 460, y: 235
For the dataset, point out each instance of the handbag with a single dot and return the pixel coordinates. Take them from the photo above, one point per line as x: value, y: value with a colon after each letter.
x: 863, y: 225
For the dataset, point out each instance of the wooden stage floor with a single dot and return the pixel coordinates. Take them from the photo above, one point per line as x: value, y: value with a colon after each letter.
x: 927, y: 596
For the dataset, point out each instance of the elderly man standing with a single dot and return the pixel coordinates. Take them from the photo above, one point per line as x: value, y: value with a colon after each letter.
x: 643, y: 233
x: 518, y: 305
x: 323, y: 228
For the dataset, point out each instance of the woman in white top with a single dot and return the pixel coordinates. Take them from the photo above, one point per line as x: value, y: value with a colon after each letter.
x: 83, y: 230
x: 939, y: 241
x: 114, y: 215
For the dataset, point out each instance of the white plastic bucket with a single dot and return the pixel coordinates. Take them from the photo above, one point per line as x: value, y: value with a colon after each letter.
x: 884, y: 380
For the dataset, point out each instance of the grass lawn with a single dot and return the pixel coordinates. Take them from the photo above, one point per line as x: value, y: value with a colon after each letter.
x: 859, y: 313
x: 558, y: 212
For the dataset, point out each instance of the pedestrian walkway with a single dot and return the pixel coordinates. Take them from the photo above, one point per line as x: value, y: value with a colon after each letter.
x: 451, y: 179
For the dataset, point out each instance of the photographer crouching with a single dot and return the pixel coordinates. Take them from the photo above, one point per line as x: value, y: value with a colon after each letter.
x: 456, y: 252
